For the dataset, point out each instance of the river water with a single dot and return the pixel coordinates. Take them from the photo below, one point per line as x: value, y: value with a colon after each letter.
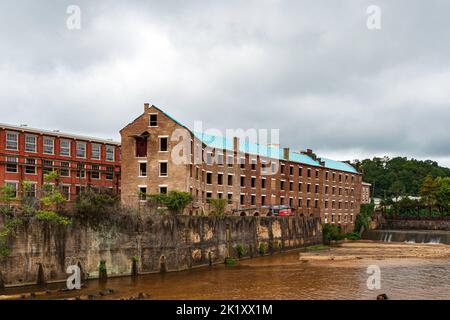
x: 285, y: 276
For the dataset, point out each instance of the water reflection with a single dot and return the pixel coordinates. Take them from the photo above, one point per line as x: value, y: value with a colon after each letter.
x: 284, y: 276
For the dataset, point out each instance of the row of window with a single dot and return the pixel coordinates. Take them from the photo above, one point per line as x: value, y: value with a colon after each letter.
x: 32, y: 190
x: 163, y: 169
x: 65, y: 146
x: 220, y: 181
x: 253, y: 165
x: 338, y: 218
x: 64, y: 170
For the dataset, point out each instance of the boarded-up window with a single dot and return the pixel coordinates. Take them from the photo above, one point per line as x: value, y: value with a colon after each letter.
x: 141, y: 147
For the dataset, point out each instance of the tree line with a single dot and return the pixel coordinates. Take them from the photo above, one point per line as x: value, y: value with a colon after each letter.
x: 399, y: 176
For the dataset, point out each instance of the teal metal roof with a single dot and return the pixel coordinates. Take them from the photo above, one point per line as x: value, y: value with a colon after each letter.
x: 220, y: 142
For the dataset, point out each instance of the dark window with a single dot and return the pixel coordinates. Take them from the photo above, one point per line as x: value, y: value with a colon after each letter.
x: 291, y: 170
x: 253, y: 182
x: 163, y: 190
x: 163, y: 169
x: 95, y: 174
x: 230, y: 180
x: 242, y: 199
x: 11, y: 165
x: 281, y: 185
x: 309, y: 173
x: 153, y: 120
x: 308, y: 188
x: 47, y: 166
x: 31, y: 166
x: 65, y: 171
x: 109, y: 173
x: 220, y: 179
x: 242, y: 181
x: 263, y: 183
x: 163, y: 144
x: 143, y: 194
x: 208, y: 178
x: 230, y: 198
x: 253, y: 200
x: 143, y: 169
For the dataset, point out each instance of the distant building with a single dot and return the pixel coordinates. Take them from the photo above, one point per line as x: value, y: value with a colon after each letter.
x: 365, y: 193
x: 27, y: 154
x: 232, y: 170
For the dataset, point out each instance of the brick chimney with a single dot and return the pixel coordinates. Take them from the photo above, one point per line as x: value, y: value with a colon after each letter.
x: 236, y: 144
x: 286, y: 153
x: 146, y: 106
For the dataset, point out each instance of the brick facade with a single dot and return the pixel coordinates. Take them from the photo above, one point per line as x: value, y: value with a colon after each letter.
x: 335, y: 195
x: 26, y: 154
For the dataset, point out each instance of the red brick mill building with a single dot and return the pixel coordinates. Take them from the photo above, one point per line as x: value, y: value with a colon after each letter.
x: 27, y: 154
x: 213, y: 167
x: 233, y: 169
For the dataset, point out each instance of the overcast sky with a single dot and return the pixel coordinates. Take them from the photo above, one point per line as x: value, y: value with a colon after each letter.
x: 309, y: 68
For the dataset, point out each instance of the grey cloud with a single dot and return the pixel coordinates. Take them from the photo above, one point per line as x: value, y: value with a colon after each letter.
x: 309, y: 68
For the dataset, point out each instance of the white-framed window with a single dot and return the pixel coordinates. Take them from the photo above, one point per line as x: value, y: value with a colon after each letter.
x: 64, y: 147
x: 12, y: 141
x: 11, y: 165
x: 81, y: 149
x: 47, y: 166
x: 95, y: 172
x: 162, y: 188
x: 49, y: 145
x: 81, y: 170
x: 30, y: 167
x: 163, y: 144
x: 163, y: 169
x: 30, y: 143
x: 142, y: 169
x: 14, y: 187
x: 96, y: 151
x: 110, y: 153
x: 65, y: 169
x: 109, y: 173
x: 142, y: 193
x: 31, y: 192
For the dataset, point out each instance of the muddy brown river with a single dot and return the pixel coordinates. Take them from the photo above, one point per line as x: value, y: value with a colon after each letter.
x: 408, y: 271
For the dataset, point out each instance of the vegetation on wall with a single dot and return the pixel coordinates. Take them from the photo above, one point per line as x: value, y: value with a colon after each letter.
x: 174, y: 201
x: 217, y: 206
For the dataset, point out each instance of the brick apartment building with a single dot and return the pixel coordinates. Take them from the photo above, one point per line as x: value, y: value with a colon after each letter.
x: 365, y: 193
x: 27, y: 154
x: 233, y: 170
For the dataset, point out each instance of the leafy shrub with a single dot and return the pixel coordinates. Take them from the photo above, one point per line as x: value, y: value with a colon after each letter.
x: 175, y: 201
x: 229, y: 261
x: 330, y: 232
x: 50, y: 216
x: 240, y: 250
x: 262, y: 249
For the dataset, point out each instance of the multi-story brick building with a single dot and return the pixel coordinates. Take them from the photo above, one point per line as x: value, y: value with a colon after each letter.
x: 27, y: 154
x: 365, y: 193
x: 161, y: 154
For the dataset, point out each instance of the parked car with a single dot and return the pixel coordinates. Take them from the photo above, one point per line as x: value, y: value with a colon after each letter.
x: 282, y: 210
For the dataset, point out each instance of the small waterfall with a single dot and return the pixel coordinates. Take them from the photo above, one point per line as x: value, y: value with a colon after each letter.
x: 409, y: 236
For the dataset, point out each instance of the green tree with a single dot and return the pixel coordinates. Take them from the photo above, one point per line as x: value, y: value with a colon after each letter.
x: 175, y: 201
x: 52, y: 200
x: 428, y: 192
x: 218, y: 205
x: 443, y: 194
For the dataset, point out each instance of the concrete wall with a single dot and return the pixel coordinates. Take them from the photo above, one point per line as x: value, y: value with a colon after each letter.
x: 184, y: 241
x: 417, y: 224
